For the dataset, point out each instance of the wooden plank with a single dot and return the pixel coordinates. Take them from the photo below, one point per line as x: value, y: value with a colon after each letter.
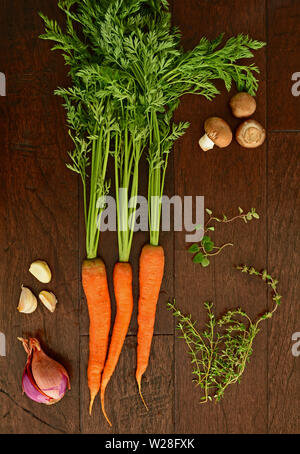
x: 123, y: 404
x: 40, y: 212
x: 228, y: 179
x: 31, y: 69
x: 283, y: 245
x: 40, y: 217
x: 283, y: 62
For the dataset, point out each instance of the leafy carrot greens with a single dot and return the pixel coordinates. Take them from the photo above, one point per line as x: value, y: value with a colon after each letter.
x: 130, y: 42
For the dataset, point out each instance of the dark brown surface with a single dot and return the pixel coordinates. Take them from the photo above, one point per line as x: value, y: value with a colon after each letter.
x: 40, y: 209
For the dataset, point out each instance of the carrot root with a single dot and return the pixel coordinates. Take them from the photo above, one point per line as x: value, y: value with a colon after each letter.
x: 92, y: 399
x: 152, y: 263
x: 102, y: 396
x: 124, y: 304
x: 94, y: 281
x: 139, y: 382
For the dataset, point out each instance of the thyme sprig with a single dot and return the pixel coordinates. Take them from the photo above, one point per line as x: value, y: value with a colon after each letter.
x: 206, y: 248
x: 220, y: 353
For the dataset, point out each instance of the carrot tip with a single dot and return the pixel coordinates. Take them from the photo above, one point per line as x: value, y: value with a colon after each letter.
x: 91, y: 404
x: 103, y: 410
x: 140, y: 392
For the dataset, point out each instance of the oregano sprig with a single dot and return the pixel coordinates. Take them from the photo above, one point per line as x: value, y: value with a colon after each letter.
x: 206, y: 248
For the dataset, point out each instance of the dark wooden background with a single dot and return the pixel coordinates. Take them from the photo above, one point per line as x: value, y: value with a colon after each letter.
x: 40, y: 209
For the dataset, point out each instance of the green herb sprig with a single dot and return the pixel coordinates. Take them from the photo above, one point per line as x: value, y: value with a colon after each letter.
x: 220, y: 353
x: 206, y: 248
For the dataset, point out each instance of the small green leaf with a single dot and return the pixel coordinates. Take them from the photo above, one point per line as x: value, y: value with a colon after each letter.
x: 194, y: 248
x: 211, y: 228
x: 249, y: 216
x: 206, y: 239
x: 198, y: 258
x: 205, y: 262
x: 208, y: 211
x: 255, y: 215
x: 267, y: 315
x: 199, y: 227
x: 208, y: 246
x: 277, y: 299
x: 241, y: 210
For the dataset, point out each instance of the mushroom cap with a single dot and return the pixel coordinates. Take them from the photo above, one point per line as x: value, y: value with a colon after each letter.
x: 218, y: 131
x: 242, y: 105
x: 250, y: 134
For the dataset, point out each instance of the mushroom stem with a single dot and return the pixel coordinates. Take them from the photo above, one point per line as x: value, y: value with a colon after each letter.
x: 206, y: 143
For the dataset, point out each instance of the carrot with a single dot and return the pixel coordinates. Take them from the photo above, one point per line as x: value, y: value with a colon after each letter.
x: 127, y: 153
x: 152, y: 262
x: 95, y: 286
x: 124, y: 303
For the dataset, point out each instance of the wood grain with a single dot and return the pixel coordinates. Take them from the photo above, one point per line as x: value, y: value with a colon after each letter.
x: 39, y: 215
x: 123, y: 403
x: 227, y: 178
x: 283, y: 62
x: 41, y: 212
x: 283, y: 247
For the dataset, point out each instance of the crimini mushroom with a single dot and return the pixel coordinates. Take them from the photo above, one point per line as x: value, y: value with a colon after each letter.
x: 217, y: 132
x: 250, y: 134
x: 242, y: 105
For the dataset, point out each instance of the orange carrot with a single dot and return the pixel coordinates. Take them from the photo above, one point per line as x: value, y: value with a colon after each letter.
x: 95, y: 286
x: 124, y: 304
x: 152, y: 262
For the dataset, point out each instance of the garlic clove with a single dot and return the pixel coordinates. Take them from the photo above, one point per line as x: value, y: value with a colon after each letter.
x: 48, y: 299
x: 41, y: 271
x: 27, y: 301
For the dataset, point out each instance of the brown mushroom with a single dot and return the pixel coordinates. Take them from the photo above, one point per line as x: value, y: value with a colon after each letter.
x: 250, y: 134
x: 217, y: 132
x: 242, y: 105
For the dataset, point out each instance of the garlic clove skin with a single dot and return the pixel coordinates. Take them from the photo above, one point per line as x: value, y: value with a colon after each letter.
x: 44, y: 379
x: 27, y: 301
x: 41, y: 271
x: 48, y: 299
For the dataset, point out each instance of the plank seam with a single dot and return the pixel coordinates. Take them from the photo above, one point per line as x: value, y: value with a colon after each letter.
x: 267, y: 198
